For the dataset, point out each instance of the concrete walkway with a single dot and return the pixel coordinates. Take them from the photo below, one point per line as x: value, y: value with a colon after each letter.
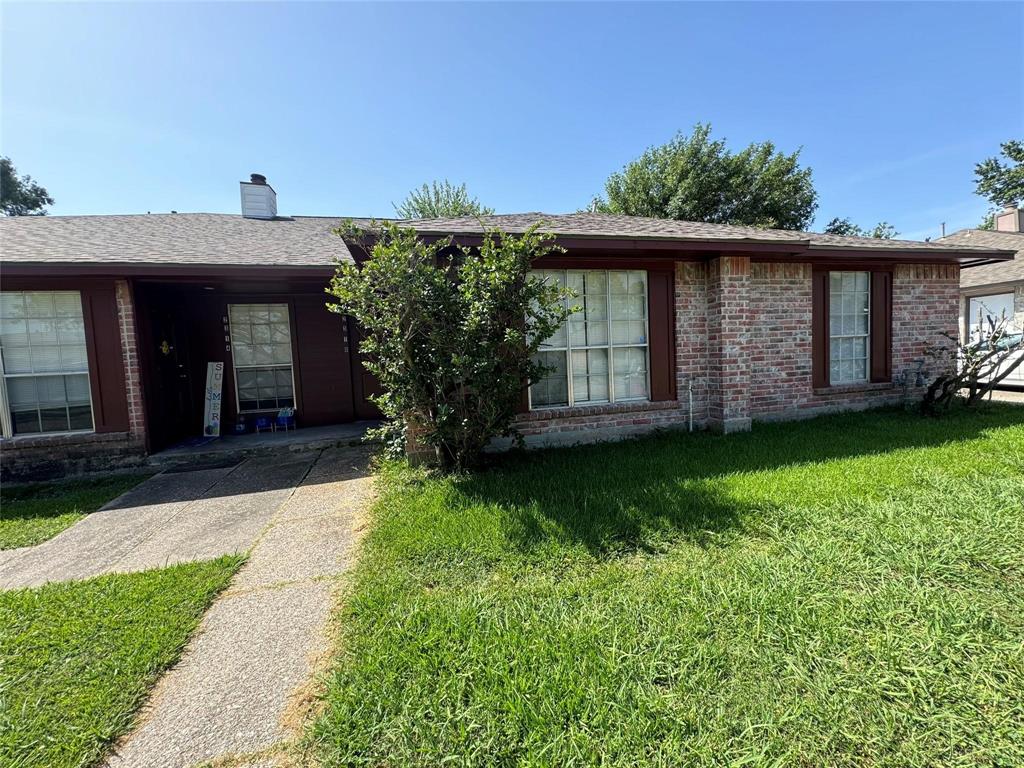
x: 171, y: 518
x: 241, y: 681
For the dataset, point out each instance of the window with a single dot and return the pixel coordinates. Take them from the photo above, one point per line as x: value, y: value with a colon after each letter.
x: 261, y: 349
x: 849, y: 327
x: 600, y: 354
x: 45, y: 384
x: 985, y: 313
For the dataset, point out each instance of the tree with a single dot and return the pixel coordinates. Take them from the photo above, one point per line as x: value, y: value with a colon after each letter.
x: 20, y: 195
x: 1002, y: 184
x: 440, y: 200
x: 451, y: 333
x: 975, y: 366
x: 693, y: 178
x: 883, y: 230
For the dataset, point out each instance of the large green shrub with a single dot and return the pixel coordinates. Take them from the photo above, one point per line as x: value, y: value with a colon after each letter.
x: 450, y: 332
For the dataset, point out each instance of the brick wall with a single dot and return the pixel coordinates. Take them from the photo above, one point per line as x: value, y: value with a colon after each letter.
x: 729, y: 329
x: 924, y: 304
x: 130, y: 356
x: 692, y: 336
x: 743, y: 341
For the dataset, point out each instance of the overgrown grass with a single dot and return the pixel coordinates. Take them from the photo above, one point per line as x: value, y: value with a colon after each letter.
x: 77, y: 658
x: 847, y: 591
x: 31, y: 514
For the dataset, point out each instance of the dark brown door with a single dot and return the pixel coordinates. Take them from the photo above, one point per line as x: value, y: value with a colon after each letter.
x: 175, y: 408
x: 364, y: 383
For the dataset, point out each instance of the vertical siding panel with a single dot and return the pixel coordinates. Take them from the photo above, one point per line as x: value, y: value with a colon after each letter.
x: 106, y: 362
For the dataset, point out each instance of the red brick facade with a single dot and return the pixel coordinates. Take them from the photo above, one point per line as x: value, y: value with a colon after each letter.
x: 130, y: 356
x: 743, y: 351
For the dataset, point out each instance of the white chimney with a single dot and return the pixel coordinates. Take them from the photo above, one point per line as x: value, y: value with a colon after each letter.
x: 1010, y: 219
x: 259, y: 200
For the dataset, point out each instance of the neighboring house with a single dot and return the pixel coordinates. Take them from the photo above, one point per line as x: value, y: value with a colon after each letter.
x: 107, y: 324
x: 995, y: 291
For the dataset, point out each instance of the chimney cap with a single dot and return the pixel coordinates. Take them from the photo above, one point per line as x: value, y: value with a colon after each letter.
x: 257, y: 178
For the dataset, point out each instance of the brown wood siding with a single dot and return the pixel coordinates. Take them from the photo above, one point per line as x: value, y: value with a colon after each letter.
x: 106, y: 363
x: 661, y: 337
x: 322, y: 369
x: 881, y: 326
x: 819, y: 327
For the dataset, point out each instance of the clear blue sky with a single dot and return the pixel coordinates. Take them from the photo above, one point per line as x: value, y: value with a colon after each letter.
x: 130, y: 108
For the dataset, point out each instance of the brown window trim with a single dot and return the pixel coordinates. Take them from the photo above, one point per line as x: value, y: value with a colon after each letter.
x: 881, y: 324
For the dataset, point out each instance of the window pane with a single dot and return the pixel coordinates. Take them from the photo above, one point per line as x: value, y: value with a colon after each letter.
x: 13, y: 333
x: 553, y: 389
x: 77, y: 388
x: 849, y: 320
x: 68, y: 304
x: 39, y: 304
x: 54, y: 419
x: 25, y: 422
x: 17, y: 359
x: 21, y: 391
x: 12, y: 305
x: 80, y: 417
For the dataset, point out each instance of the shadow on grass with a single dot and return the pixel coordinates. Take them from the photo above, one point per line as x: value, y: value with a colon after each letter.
x: 636, y: 495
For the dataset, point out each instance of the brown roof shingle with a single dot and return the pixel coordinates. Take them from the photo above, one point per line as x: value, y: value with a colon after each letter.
x: 214, y: 239
x: 990, y: 274
x: 173, y: 238
x: 616, y: 226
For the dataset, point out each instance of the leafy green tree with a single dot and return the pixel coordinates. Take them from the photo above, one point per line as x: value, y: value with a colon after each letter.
x: 883, y: 230
x: 20, y: 195
x: 1002, y: 183
x: 695, y: 178
x: 451, y: 332
x: 440, y: 200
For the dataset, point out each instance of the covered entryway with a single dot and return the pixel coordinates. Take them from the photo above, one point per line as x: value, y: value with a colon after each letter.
x: 282, y: 350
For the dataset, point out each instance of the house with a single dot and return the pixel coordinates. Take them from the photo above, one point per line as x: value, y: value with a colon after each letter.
x: 108, y: 324
x: 994, y: 291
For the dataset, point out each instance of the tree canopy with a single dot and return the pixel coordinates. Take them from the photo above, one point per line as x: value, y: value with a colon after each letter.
x: 883, y: 230
x: 20, y: 195
x: 695, y: 178
x: 999, y: 182
x: 439, y: 200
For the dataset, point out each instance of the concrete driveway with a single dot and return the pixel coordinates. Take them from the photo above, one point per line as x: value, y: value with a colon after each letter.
x: 238, y: 695
x: 170, y: 518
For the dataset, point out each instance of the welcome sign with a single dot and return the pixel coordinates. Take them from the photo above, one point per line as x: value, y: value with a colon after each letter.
x: 214, y: 388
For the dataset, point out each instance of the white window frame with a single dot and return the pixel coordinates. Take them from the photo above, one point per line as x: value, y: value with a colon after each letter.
x: 839, y: 337
x: 610, y: 347
x: 236, y: 368
x: 6, y: 419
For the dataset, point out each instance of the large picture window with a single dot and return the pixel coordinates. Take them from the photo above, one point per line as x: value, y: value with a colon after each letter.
x: 45, y: 383
x: 600, y: 355
x: 261, y: 350
x: 849, y: 327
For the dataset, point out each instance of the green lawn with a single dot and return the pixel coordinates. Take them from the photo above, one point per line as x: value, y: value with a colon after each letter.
x: 30, y: 514
x: 847, y: 591
x: 77, y: 659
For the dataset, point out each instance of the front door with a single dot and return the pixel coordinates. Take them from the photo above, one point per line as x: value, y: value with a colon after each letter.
x: 175, y: 409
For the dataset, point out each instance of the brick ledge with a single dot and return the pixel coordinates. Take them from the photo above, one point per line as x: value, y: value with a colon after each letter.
x: 80, y: 438
x: 639, y: 406
x: 849, y: 389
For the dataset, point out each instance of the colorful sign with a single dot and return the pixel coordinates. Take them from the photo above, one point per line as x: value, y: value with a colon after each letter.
x: 214, y: 388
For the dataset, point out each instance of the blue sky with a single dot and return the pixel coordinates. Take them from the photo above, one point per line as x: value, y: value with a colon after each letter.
x: 121, y: 108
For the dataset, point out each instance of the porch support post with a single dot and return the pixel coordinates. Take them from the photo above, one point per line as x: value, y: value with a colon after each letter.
x: 728, y: 344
